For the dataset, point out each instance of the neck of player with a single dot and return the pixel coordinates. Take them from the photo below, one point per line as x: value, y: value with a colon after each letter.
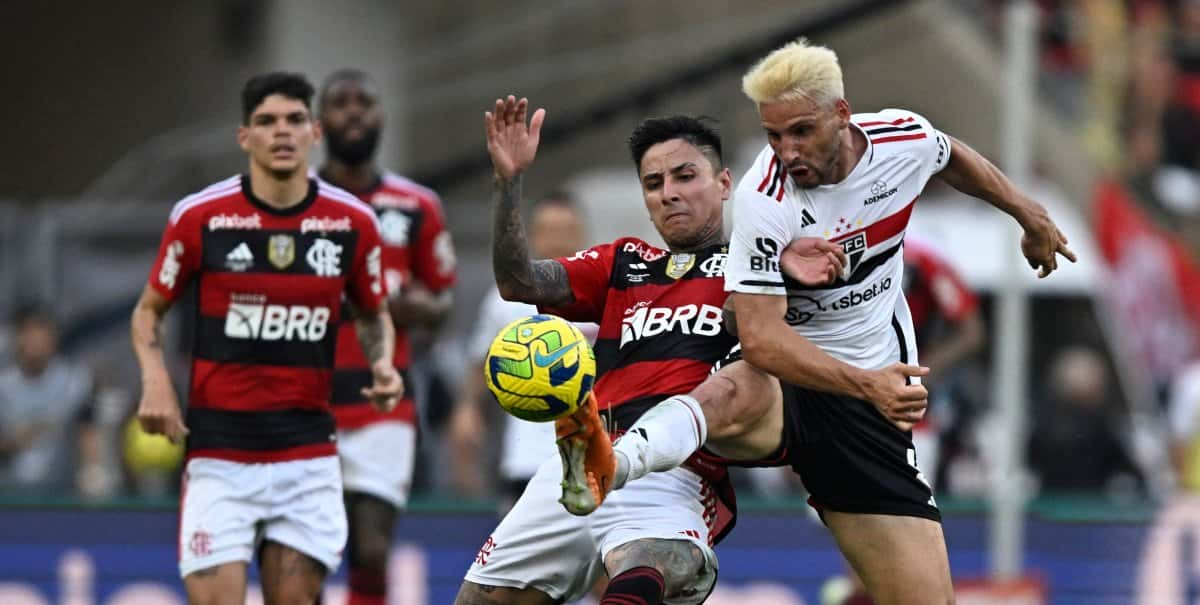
x: 854, y: 145
x: 279, y: 191
x: 354, y: 178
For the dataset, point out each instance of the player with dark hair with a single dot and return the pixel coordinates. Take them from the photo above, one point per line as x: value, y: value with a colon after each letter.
x: 378, y: 449
x: 272, y: 253
x: 660, y: 331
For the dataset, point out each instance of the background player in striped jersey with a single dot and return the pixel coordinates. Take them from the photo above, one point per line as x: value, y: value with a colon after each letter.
x: 272, y: 253
x: 853, y: 180
x: 378, y: 449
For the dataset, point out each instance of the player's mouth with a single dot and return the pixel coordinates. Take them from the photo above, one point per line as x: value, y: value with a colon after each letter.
x: 675, y: 215
x: 801, y: 172
x: 282, y: 150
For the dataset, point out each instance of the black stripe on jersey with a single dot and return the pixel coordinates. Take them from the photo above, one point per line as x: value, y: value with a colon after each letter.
x: 257, y: 431
x: 348, y: 385
x: 777, y: 181
x: 762, y: 282
x: 860, y: 274
x: 224, y: 252
x: 903, y: 345
x: 660, y: 348
x: 885, y: 129
x: 212, y: 344
x: 628, y: 271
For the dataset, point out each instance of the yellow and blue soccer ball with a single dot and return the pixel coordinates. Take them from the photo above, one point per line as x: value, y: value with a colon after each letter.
x: 540, y: 368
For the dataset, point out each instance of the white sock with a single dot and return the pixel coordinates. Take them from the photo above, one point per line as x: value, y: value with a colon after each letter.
x: 662, y: 439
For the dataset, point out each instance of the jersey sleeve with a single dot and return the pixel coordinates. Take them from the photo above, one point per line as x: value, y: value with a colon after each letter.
x: 760, y: 233
x: 433, y: 259
x: 178, y: 257
x: 364, y: 285
x: 590, y: 273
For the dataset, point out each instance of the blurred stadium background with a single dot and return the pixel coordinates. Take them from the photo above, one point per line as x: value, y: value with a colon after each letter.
x: 1065, y: 474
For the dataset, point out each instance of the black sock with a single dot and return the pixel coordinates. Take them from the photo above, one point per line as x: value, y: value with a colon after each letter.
x: 637, y: 586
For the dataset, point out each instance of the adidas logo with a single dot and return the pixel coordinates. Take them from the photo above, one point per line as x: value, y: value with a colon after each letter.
x: 806, y: 219
x: 240, y: 258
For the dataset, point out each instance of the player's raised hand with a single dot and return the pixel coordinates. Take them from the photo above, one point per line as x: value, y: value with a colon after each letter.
x: 511, y: 143
x: 1043, y: 241
x: 903, y: 404
x: 387, y: 387
x: 158, y: 412
x: 812, y: 261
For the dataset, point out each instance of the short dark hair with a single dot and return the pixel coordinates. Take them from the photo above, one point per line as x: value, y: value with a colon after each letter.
x: 345, y: 74
x: 556, y: 197
x: 694, y: 130
x: 289, y: 84
x: 31, y: 311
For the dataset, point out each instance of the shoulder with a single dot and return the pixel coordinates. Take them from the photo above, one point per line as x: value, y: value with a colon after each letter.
x: 633, y: 249
x: 398, y: 191
x: 898, y: 132
x: 360, y: 213
x: 217, y: 192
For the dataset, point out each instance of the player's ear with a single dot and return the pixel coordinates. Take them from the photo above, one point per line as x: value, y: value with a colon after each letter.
x: 318, y: 132
x: 842, y: 108
x: 725, y: 178
x: 243, y: 136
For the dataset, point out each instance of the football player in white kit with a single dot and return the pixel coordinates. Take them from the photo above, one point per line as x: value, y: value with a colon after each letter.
x: 851, y: 179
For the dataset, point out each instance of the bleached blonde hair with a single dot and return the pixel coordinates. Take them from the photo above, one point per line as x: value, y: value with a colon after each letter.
x: 795, y: 71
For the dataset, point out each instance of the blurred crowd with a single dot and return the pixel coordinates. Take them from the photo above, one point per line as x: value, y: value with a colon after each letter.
x: 1125, y: 72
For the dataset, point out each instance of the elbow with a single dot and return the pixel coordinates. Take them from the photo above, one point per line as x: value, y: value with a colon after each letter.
x: 509, y: 291
x: 755, y: 349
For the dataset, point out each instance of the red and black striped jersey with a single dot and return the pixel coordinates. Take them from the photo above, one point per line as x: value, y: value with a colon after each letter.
x: 270, y: 287
x: 660, y: 319
x: 416, y: 248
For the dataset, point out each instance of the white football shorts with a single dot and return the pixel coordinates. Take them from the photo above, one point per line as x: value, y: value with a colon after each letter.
x: 540, y: 545
x: 377, y: 459
x: 228, y: 508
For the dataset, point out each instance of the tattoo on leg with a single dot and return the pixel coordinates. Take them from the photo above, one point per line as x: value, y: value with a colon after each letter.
x: 679, y: 561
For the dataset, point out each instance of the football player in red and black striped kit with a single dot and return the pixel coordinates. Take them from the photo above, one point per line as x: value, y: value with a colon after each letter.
x: 661, y: 329
x: 272, y: 253
x: 378, y: 449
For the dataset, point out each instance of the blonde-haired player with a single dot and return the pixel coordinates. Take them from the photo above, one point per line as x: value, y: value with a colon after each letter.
x: 851, y: 179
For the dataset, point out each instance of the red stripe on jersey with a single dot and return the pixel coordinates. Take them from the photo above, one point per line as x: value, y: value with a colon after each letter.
x: 642, y: 378
x: 358, y: 415
x: 247, y: 387
x: 302, y: 452
x: 884, y: 228
x: 882, y: 122
x: 767, y: 177
x: 901, y: 137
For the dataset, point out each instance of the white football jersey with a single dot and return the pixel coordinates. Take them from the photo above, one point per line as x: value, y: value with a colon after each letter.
x: 862, y: 318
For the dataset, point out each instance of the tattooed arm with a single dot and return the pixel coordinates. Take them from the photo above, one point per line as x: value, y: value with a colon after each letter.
x: 378, y: 339
x: 512, y: 145
x: 519, y: 277
x: 158, y: 412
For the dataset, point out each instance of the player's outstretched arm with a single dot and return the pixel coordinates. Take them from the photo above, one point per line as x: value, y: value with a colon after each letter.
x: 378, y: 339
x: 512, y: 145
x: 770, y: 345
x: 158, y: 411
x: 972, y: 174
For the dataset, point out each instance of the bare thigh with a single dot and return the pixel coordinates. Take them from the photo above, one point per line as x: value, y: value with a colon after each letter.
x: 677, y: 560
x: 289, y: 577
x: 477, y: 594
x: 901, y: 560
x: 743, y: 407
x: 223, y: 584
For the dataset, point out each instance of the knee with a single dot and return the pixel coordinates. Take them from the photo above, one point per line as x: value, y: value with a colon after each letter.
x: 678, y: 561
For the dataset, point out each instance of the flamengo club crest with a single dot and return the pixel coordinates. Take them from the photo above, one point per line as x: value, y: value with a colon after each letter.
x: 680, y: 264
x: 281, y: 250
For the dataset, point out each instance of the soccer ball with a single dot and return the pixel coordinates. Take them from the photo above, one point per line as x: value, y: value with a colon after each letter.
x: 540, y: 368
